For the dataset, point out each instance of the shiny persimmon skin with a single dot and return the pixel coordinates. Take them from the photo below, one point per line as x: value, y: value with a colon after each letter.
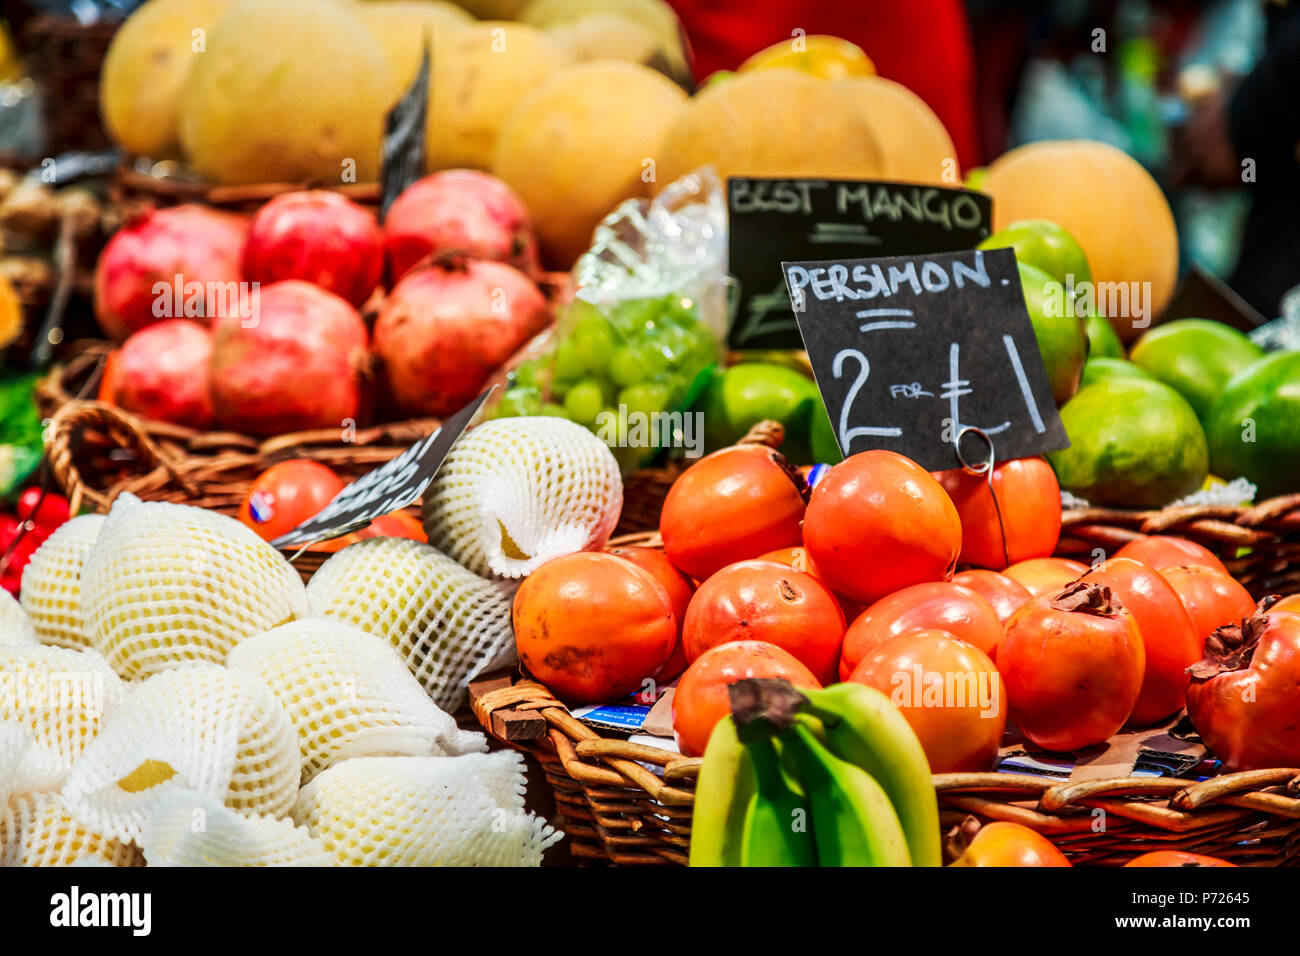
x: 767, y: 601
x: 1004, y: 593
x: 1290, y: 604
x: 1009, y: 844
x: 680, y: 590
x: 1162, y: 551
x: 1046, y: 575
x: 1248, y: 717
x: 1212, y: 598
x: 957, y: 734
x: 878, y: 522
x: 701, y: 698
x: 1176, y: 858
x: 732, y: 505
x: 1168, y: 637
x: 1071, y: 677
x: 1029, y: 499
x: 593, y: 627
x: 798, y: 559
x: 286, y: 495
x: 939, y: 605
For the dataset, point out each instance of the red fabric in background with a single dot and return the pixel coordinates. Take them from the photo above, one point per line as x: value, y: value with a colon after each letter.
x: 923, y: 44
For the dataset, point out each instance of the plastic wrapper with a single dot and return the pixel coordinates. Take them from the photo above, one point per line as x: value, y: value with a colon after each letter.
x: 635, y: 347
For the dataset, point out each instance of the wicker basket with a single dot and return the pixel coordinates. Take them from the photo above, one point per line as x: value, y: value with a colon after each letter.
x: 96, y: 452
x: 1260, y: 544
x: 617, y: 811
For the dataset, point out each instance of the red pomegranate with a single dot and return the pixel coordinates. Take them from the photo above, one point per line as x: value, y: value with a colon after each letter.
x: 320, y: 237
x: 162, y: 373
x: 295, y: 364
x: 459, y: 212
x: 176, y: 263
x: 446, y: 328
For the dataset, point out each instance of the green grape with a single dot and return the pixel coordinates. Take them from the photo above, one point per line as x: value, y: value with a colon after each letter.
x: 551, y: 410
x: 568, y: 363
x: 647, y: 398
x: 585, y: 401
x: 526, y: 374
x: 593, y: 342
x: 518, y: 402
x: 631, y: 315
x: 636, y: 363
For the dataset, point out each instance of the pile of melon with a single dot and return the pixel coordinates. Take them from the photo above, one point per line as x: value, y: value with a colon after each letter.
x: 577, y: 105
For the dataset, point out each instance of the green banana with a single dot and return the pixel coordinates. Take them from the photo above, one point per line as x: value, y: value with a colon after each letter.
x: 853, y: 822
x: 860, y: 725
x: 776, y: 830
x: 723, y: 790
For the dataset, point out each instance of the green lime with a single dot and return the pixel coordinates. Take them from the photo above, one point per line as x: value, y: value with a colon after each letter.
x: 825, y: 449
x: 746, y: 394
x: 1044, y: 245
x: 1195, y: 356
x: 1133, y: 444
x: 1062, y: 341
x: 1103, y: 341
x: 1254, y: 427
x: 1097, y: 369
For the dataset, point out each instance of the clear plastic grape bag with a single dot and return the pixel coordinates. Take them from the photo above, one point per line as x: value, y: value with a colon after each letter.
x: 636, y: 345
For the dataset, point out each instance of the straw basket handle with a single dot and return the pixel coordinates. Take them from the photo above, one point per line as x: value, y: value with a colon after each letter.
x: 126, y: 429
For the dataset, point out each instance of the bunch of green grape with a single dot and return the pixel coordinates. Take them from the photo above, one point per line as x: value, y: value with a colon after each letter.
x: 642, y: 355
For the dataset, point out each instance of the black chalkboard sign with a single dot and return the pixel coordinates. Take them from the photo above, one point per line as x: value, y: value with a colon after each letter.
x: 787, y: 220
x: 909, y: 352
x: 403, y: 156
x: 388, y: 488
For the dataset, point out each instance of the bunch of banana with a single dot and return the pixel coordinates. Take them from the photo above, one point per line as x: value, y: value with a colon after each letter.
x: 831, y: 777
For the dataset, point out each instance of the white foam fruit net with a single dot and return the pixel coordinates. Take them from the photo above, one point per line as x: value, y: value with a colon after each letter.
x: 425, y: 811
x: 39, y: 829
x: 59, y: 695
x: 51, y: 592
x: 25, y: 764
x: 200, y: 726
x: 169, y: 584
x: 191, y: 828
x: 516, y: 492
x: 16, y: 629
x: 448, y: 624
x: 348, y: 694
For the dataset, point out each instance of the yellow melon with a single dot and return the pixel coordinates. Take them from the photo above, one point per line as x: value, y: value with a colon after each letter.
x: 493, y: 9
x: 917, y: 147
x: 581, y: 144
x: 613, y: 36
x: 1106, y: 200
x: 831, y: 58
x: 400, y: 27
x: 145, y: 69
x: 289, y: 90
x: 479, y: 75
x: 655, y: 15
x: 776, y: 122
